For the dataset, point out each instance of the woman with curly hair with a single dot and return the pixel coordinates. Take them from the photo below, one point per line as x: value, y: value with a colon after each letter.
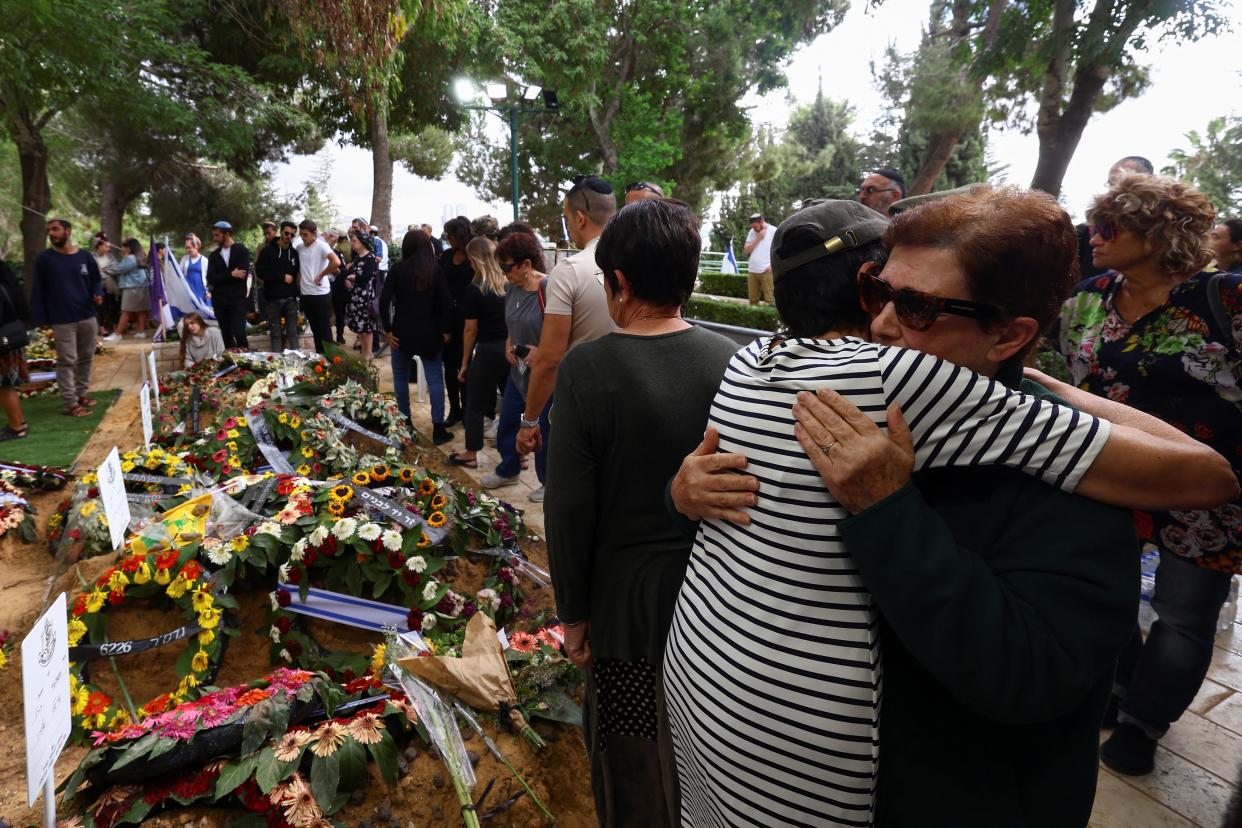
x: 1160, y: 333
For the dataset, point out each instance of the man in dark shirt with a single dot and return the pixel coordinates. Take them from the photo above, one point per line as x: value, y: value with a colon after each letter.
x: 227, y: 269
x: 277, y: 270
x: 63, y: 294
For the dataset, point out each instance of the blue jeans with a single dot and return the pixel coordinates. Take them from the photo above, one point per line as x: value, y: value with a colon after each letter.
x: 511, y: 408
x: 1158, y: 678
x: 434, y: 369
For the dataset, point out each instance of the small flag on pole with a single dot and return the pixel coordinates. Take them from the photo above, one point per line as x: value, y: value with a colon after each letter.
x: 729, y: 263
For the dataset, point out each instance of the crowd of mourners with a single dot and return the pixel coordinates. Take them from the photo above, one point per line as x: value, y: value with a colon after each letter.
x: 874, y: 569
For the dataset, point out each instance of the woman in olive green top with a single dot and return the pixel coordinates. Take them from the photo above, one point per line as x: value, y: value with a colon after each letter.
x: 629, y: 407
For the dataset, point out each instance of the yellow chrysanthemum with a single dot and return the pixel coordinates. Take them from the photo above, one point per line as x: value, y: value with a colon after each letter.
x: 282, y: 418
x: 377, y: 659
x: 94, y: 602
x: 179, y: 587
x: 209, y: 619
x: 202, y: 600
x: 240, y: 543
x: 127, y: 466
x: 206, y: 637
x: 89, y: 479
x: 232, y: 445
x: 308, y: 452
x: 88, y: 508
x: 234, y: 461
x: 162, y: 576
x: 232, y: 434
x: 143, y: 573
x: 76, y: 630
x: 118, y: 580
x: 200, y: 662
x: 295, y: 422
x: 81, y: 696
x: 303, y: 470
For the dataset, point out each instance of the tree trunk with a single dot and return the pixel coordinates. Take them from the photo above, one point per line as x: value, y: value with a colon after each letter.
x: 36, y: 190
x: 381, y: 165
x: 940, y: 147
x: 112, y: 205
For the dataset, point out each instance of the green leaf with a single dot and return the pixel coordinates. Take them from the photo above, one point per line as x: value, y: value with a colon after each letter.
x: 325, y: 778
x: 556, y: 705
x: 353, y: 580
x: 380, y: 583
x: 136, y: 813
x: 162, y: 746
x: 330, y: 696
x: 271, y: 771
x: 268, y: 718
x: 353, y: 764
x: 137, y: 750
x: 234, y: 774
x: 384, y: 752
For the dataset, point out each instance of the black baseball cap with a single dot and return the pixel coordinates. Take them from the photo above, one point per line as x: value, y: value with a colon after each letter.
x: 836, y: 224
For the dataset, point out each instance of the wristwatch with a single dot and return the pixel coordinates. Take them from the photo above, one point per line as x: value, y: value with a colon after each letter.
x: 528, y: 423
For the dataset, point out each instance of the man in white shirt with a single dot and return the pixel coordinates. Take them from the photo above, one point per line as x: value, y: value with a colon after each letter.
x: 317, y: 263
x: 759, y: 262
x: 577, y: 306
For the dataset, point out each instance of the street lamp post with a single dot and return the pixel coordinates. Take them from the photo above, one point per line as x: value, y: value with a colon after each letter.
x: 497, y: 95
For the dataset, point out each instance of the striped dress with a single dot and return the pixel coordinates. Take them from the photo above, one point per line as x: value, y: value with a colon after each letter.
x: 773, y: 667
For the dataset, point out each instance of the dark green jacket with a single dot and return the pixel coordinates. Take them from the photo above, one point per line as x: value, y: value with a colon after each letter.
x: 1004, y: 604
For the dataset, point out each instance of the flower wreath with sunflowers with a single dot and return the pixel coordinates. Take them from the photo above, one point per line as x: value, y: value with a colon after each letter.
x: 157, y: 574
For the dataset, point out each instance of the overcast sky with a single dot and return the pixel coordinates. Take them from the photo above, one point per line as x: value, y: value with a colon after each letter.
x: 1191, y: 83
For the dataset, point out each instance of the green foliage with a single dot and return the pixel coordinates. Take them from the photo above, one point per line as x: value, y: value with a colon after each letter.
x: 201, y: 197
x: 1213, y: 164
x: 817, y: 157
x: 722, y: 284
x: 759, y: 317
x: 648, y: 91
x: 427, y: 154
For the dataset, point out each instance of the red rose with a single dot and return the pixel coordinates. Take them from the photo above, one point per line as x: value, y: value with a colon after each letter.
x: 309, y: 558
x: 295, y: 575
x: 415, y: 619
x: 75, y: 534
x: 283, y: 598
x: 294, y: 648
x: 410, y: 578
x: 116, y: 596
x: 283, y: 623
x: 394, y: 559
x: 93, y: 491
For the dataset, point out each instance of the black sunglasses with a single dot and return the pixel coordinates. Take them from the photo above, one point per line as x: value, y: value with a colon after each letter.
x: 288, y: 234
x: 1106, y: 231
x: 505, y: 267
x: 915, y: 309
x: 641, y: 185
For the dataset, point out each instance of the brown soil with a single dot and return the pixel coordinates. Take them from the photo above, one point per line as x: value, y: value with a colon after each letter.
x: 559, y: 774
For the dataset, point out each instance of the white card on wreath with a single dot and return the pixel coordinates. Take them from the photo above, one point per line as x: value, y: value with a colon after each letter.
x: 45, y: 695
x: 144, y: 402
x: 112, y: 496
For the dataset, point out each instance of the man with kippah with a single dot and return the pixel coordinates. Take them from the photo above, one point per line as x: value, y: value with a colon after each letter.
x: 881, y: 188
x: 758, y: 250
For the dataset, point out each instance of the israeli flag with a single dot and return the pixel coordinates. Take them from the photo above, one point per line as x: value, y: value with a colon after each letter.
x: 178, y: 294
x: 729, y: 263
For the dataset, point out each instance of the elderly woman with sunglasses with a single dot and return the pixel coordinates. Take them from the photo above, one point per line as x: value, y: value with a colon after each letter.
x: 1160, y: 332
x: 773, y: 665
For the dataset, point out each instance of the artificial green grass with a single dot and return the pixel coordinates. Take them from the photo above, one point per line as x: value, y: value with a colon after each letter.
x: 55, y: 439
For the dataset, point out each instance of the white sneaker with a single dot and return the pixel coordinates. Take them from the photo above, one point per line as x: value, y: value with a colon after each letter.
x: 140, y: 335
x: 489, y: 429
x: 491, y: 480
x: 113, y: 337
x: 537, y: 495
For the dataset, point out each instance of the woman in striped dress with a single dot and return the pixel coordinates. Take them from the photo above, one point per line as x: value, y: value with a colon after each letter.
x: 773, y: 664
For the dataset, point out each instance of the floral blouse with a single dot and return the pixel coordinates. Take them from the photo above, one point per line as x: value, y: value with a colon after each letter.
x: 1176, y: 363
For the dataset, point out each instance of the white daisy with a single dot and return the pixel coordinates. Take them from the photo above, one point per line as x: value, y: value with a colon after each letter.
x: 275, y: 603
x: 344, y: 528
x: 299, y: 551
x: 285, y: 655
x: 269, y: 527
x: 429, y: 591
x: 369, y: 531
x: 219, y: 554
x: 320, y: 535
x: 274, y: 634
x: 489, y: 597
x: 429, y: 621
x: 284, y: 573
x: 416, y: 564
x: 392, y: 540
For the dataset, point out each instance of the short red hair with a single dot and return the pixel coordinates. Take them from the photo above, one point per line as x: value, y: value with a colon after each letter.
x: 1017, y: 247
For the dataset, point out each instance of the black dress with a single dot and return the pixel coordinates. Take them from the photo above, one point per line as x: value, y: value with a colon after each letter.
x: 13, y: 307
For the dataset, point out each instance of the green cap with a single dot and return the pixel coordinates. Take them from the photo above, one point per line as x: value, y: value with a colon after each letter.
x: 838, y: 226
x: 915, y: 201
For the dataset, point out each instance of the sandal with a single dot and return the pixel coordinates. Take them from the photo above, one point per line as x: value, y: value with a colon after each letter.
x: 77, y: 411
x: 458, y: 460
x: 10, y: 433
x: 88, y: 402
